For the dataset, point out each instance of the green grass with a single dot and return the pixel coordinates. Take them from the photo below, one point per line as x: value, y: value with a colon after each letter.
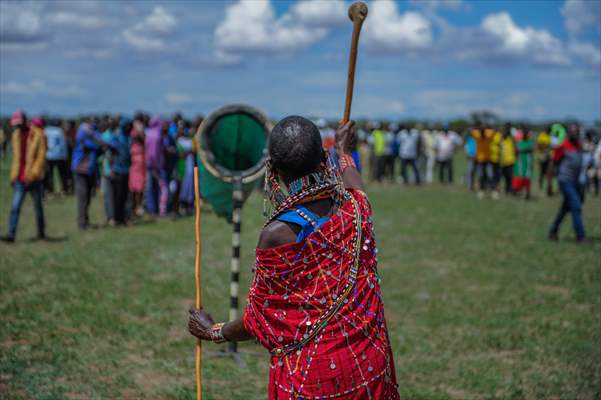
x: 479, y: 304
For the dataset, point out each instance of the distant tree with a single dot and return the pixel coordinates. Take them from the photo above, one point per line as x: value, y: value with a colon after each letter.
x: 485, y: 117
x: 459, y: 125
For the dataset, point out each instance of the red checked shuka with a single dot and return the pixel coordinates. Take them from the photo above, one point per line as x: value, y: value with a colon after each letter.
x: 316, y: 306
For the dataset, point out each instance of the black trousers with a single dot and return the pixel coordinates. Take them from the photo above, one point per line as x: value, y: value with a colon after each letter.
x: 119, y: 182
x: 51, y: 165
x: 445, y: 171
x: 507, y: 172
x: 84, y: 186
x: 412, y: 162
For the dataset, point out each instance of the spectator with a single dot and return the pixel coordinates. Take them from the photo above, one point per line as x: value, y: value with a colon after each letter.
x: 495, y: 158
x: 507, y: 157
x: 568, y: 160
x: 470, y: 155
x: 56, y: 156
x: 409, y: 143
x: 26, y: 172
x: 121, y: 161
x: 445, y: 145
x: 105, y: 126
x: 543, y: 156
x: 429, y: 138
x: 137, y: 171
x: 483, y: 138
x: 157, y: 178
x: 379, y: 152
x: 522, y: 170
x: 88, y: 145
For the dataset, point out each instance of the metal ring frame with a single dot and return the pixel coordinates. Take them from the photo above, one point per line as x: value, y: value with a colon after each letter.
x: 208, y: 159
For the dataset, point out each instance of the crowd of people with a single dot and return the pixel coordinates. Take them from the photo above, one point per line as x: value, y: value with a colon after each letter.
x: 145, y: 165
x: 141, y: 166
x: 503, y: 159
x: 499, y: 159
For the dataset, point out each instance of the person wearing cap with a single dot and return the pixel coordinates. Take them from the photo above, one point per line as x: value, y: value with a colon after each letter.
x: 26, y: 171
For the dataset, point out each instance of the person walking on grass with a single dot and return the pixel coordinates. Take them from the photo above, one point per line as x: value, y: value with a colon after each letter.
x: 315, y: 301
x: 26, y: 172
x: 567, y: 160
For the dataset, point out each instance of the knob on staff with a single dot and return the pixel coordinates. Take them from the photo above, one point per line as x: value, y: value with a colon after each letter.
x: 357, y: 12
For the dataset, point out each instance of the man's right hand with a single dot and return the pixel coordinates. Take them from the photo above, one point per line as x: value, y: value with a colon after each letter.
x: 200, y: 324
x: 346, y: 138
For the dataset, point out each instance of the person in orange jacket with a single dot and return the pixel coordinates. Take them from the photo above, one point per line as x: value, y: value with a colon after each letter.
x: 27, y: 170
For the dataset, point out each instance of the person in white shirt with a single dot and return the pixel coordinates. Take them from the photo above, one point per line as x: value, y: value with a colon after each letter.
x: 446, y: 143
x: 429, y: 139
x: 409, y: 143
x: 56, y: 156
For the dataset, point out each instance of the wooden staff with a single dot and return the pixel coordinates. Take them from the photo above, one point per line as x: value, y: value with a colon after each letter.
x: 357, y: 12
x: 197, y: 274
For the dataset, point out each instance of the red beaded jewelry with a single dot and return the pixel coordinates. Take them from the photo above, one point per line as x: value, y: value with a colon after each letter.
x: 217, y: 333
x: 346, y: 161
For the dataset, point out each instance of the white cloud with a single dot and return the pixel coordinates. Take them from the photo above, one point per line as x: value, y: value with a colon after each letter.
x: 320, y: 13
x: 448, y: 103
x: 178, y: 98
x: 152, y: 32
x: 98, y: 54
x: 78, y: 20
x: 536, y: 45
x: 580, y: 14
x: 32, y: 87
x: 386, y: 29
x: 252, y: 26
x: 37, y: 87
x: 20, y: 23
x: 437, y: 4
x: 586, y: 52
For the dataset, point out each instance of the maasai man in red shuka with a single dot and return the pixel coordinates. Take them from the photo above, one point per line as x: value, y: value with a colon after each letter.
x: 315, y: 302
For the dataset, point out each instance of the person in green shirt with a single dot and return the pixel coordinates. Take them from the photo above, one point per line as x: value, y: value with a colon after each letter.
x: 522, y: 169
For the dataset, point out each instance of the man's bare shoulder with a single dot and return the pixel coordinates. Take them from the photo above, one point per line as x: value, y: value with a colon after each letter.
x: 275, y: 234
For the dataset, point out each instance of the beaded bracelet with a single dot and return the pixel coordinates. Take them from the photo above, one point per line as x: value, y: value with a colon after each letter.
x: 346, y: 161
x: 217, y: 333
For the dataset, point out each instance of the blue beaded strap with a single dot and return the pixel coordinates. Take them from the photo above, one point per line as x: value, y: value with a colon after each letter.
x: 325, y: 318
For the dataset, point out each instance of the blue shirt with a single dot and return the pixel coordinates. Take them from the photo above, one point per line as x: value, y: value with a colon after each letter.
x: 470, y: 146
x: 85, y: 152
x: 120, y: 154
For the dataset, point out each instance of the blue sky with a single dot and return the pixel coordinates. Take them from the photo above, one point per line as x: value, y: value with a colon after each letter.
x: 435, y: 59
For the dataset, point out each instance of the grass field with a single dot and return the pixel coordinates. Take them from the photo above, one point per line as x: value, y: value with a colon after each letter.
x: 479, y: 304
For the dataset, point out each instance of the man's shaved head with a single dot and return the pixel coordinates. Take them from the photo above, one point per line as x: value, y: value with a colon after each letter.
x: 295, y: 147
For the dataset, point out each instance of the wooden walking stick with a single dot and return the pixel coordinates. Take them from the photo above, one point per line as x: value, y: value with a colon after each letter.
x: 357, y: 12
x: 197, y: 275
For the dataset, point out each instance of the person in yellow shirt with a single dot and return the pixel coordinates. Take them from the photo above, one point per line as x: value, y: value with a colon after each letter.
x: 483, y: 166
x: 543, y: 156
x: 495, y: 158
x: 507, y: 158
x: 378, y: 150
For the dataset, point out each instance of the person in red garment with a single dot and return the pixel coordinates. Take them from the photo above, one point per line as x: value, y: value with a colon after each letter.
x: 315, y: 302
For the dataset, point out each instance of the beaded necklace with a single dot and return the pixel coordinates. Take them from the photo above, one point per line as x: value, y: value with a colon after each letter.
x: 324, y: 183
